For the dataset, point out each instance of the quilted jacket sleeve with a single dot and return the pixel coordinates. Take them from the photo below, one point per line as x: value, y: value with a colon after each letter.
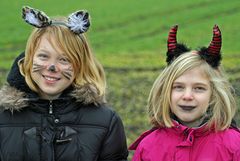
x: 114, y: 146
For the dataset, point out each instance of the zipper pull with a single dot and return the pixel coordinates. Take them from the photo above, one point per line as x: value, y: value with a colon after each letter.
x: 50, y: 108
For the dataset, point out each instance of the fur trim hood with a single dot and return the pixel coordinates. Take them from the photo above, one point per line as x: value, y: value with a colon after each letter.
x: 15, y: 94
x: 14, y: 99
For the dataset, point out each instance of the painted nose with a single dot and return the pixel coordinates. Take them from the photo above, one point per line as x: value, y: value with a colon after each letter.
x: 52, y: 68
x: 188, y: 95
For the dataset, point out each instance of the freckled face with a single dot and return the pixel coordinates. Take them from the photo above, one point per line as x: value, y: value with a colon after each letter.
x: 51, y: 70
x: 190, y: 97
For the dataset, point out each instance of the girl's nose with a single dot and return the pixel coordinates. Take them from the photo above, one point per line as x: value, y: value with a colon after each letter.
x: 188, y: 95
x: 52, y: 68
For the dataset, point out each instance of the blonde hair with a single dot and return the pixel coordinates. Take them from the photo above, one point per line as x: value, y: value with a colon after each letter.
x: 86, y: 67
x: 222, y: 105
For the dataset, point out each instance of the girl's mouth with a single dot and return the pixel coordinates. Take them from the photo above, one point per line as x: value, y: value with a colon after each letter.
x: 48, y: 78
x: 187, y: 108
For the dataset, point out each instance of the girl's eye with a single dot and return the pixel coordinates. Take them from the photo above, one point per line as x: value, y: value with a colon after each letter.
x: 199, y: 89
x: 64, y: 60
x: 178, y: 87
x: 42, y: 56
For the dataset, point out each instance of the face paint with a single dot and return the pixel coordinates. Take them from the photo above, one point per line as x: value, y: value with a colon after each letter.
x: 67, y: 73
x: 37, y: 67
x: 52, y: 72
x: 52, y: 68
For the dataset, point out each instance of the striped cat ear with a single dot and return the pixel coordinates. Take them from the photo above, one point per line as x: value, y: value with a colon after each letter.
x: 35, y: 17
x: 79, y: 21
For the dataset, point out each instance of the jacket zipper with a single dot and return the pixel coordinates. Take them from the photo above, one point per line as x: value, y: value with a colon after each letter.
x: 50, y: 107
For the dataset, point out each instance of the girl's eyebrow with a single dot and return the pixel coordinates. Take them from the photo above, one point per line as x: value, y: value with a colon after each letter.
x: 47, y: 52
x: 202, y: 84
x: 63, y: 55
x: 197, y: 83
x: 42, y: 50
x: 177, y: 83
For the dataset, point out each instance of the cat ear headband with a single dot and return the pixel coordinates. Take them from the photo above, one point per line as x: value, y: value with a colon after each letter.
x: 211, y: 54
x: 78, y: 22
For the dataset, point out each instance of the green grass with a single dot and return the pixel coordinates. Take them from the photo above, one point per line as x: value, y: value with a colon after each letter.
x: 133, y: 26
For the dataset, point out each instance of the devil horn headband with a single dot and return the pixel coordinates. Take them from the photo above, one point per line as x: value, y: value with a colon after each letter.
x: 211, y: 54
x: 216, y: 43
x: 172, y: 38
x: 78, y: 22
x: 174, y: 49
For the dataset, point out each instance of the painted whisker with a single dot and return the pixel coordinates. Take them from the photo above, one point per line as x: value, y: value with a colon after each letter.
x: 67, y: 74
x: 37, y: 67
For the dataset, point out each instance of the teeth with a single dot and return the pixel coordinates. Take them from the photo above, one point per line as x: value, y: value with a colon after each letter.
x: 50, y: 78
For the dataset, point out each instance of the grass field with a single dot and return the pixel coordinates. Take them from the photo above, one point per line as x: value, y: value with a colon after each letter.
x: 132, y: 26
x: 129, y: 38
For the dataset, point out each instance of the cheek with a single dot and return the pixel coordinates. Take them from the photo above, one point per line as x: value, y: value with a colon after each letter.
x: 207, y: 100
x: 38, y: 66
x: 175, y: 96
x: 173, y: 100
x: 204, y: 101
x: 208, y: 97
x: 68, y: 72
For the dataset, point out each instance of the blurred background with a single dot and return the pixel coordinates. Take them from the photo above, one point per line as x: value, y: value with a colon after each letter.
x: 129, y: 39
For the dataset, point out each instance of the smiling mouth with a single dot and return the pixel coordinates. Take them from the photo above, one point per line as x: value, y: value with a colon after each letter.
x: 51, y: 78
x: 187, y: 108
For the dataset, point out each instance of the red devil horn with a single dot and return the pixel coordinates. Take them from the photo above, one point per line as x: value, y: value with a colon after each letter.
x: 216, y: 43
x: 172, y: 40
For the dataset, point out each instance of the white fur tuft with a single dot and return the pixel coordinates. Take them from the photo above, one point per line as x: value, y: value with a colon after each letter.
x: 77, y: 23
x: 30, y: 17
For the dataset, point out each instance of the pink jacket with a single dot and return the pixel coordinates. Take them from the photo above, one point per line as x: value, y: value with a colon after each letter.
x: 181, y: 143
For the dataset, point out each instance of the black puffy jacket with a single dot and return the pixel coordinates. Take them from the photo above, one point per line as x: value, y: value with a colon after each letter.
x: 75, y: 127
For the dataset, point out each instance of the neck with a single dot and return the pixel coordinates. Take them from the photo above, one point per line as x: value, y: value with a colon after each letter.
x: 49, y: 97
x: 195, y: 123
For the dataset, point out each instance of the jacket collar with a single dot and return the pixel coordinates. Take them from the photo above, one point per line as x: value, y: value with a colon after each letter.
x: 14, y: 99
x: 177, y: 128
x: 202, y: 130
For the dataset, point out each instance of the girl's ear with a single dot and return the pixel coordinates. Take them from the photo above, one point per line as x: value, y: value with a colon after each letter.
x: 20, y: 66
x: 79, y: 21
